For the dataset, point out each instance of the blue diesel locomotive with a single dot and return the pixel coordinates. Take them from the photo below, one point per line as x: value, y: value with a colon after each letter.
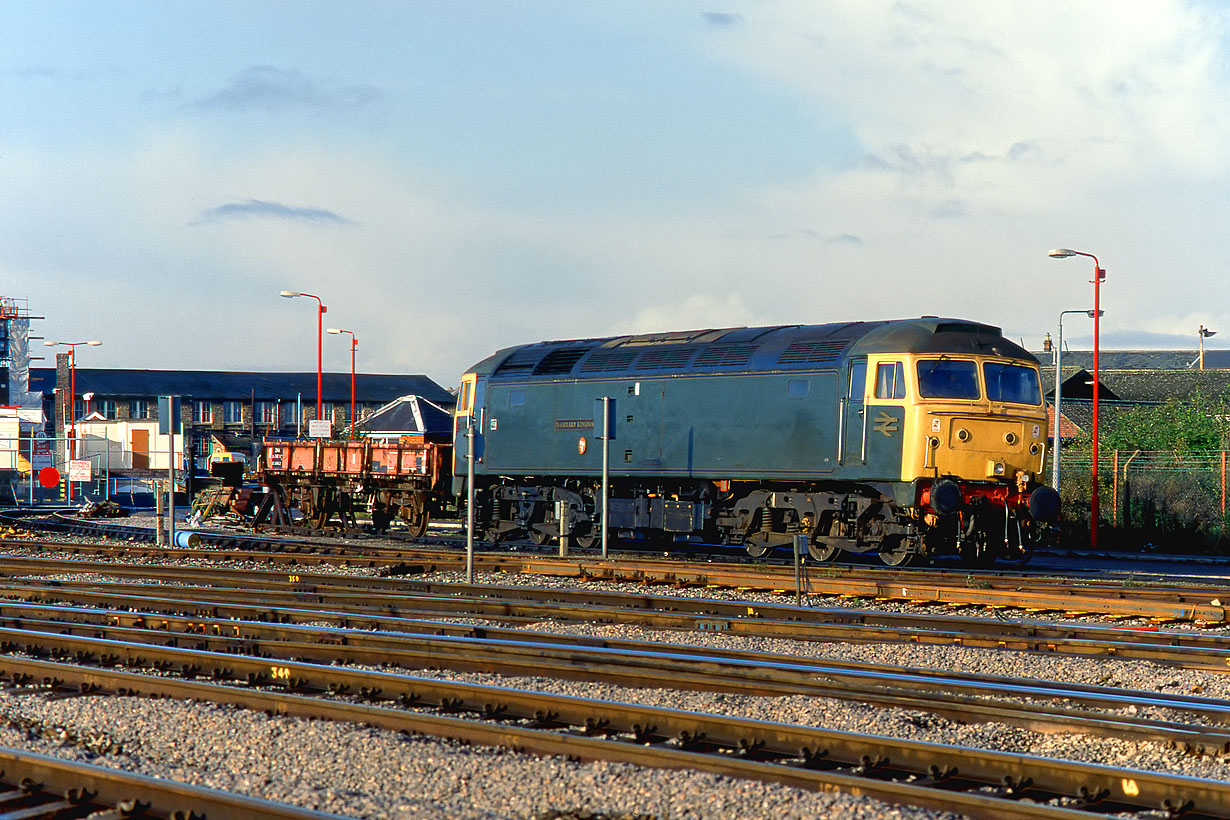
x: 902, y: 438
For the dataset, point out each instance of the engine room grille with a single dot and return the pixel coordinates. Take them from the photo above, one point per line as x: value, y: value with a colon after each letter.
x: 604, y: 360
x: 561, y: 361
x: 821, y: 351
x: 666, y: 358
x: 725, y: 356
x: 522, y: 361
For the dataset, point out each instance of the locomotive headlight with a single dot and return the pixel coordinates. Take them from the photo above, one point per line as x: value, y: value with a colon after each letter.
x: 995, y: 468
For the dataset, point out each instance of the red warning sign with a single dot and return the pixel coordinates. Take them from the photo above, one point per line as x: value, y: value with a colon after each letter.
x: 49, y: 477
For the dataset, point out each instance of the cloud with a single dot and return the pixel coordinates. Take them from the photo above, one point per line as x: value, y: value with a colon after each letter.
x: 719, y: 19
x: 276, y: 210
x: 270, y: 89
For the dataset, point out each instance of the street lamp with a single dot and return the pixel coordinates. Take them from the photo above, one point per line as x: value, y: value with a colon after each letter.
x: 354, y: 344
x: 1099, y: 274
x: 72, y: 398
x: 321, y: 310
x: 1059, y: 390
x: 1204, y: 334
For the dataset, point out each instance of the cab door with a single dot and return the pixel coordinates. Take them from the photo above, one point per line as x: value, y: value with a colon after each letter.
x: 853, y: 436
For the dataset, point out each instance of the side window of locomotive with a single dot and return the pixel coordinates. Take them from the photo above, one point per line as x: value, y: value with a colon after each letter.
x: 465, y: 402
x: 890, y: 381
x: 858, y: 381
x: 947, y: 379
x: 1012, y: 383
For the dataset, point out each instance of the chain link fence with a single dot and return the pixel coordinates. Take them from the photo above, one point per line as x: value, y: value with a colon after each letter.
x: 1148, y: 500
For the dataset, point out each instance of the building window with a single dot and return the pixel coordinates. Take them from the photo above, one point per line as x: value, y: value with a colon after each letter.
x: 79, y: 409
x: 326, y: 411
x: 202, y: 412
x: 290, y: 414
x: 232, y: 412
x: 266, y: 412
x: 139, y: 409
x: 107, y: 408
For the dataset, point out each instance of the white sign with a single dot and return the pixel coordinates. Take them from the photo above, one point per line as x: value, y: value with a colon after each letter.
x: 320, y: 428
x: 40, y: 455
x: 79, y: 470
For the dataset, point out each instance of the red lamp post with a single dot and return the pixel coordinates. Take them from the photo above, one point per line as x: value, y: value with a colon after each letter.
x: 72, y: 398
x: 1099, y: 274
x: 354, y: 344
x: 321, y: 310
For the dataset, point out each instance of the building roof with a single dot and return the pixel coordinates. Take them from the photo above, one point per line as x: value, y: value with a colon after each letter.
x: 1139, y: 359
x: 407, y: 415
x: 222, y: 385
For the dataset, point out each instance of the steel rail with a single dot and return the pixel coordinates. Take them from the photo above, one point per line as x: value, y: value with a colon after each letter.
x: 1202, y: 605
x: 41, y: 786
x: 961, y: 697
x: 1187, y: 649
x: 919, y: 773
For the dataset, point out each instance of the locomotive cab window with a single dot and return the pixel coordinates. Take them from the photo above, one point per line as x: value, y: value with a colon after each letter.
x: 465, y: 403
x: 858, y: 380
x: 1012, y: 383
x: 890, y: 381
x: 947, y: 379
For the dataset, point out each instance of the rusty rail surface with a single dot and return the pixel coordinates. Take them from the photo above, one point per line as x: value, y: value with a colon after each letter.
x: 975, y: 782
x: 1165, y: 602
x: 39, y: 786
x: 966, y: 698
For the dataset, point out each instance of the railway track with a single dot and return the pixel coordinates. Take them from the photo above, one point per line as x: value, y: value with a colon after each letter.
x: 40, y: 787
x: 1159, y: 600
x: 255, y: 638
x: 976, y: 782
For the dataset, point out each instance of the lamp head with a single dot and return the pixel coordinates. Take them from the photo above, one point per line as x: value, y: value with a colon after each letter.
x: 87, y: 396
x: 94, y: 343
x: 1092, y: 313
x: 1060, y: 253
x: 333, y: 330
x: 50, y: 343
x: 290, y: 294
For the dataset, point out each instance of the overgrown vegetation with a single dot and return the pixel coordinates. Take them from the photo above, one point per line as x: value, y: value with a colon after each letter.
x: 1167, y: 490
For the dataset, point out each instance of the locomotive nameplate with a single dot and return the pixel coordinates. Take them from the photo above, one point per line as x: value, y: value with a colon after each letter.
x: 574, y: 424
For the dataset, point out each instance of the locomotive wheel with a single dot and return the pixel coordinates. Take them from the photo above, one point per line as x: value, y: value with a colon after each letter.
x: 821, y: 551
x: 586, y: 541
x: 757, y: 549
x: 538, y: 538
x: 896, y: 554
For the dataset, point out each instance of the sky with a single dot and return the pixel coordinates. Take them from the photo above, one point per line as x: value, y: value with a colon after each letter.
x: 452, y: 178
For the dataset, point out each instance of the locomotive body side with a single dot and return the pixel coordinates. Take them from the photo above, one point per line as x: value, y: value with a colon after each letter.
x: 752, y: 435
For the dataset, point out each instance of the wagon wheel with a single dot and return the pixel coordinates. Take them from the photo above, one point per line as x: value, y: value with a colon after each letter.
x: 381, y: 518
x: 416, y: 515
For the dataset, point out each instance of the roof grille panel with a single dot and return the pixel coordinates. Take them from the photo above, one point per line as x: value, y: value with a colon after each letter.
x: 671, y: 358
x: 811, y: 352
x: 522, y: 361
x: 608, y: 360
x: 725, y: 356
x: 560, y: 361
